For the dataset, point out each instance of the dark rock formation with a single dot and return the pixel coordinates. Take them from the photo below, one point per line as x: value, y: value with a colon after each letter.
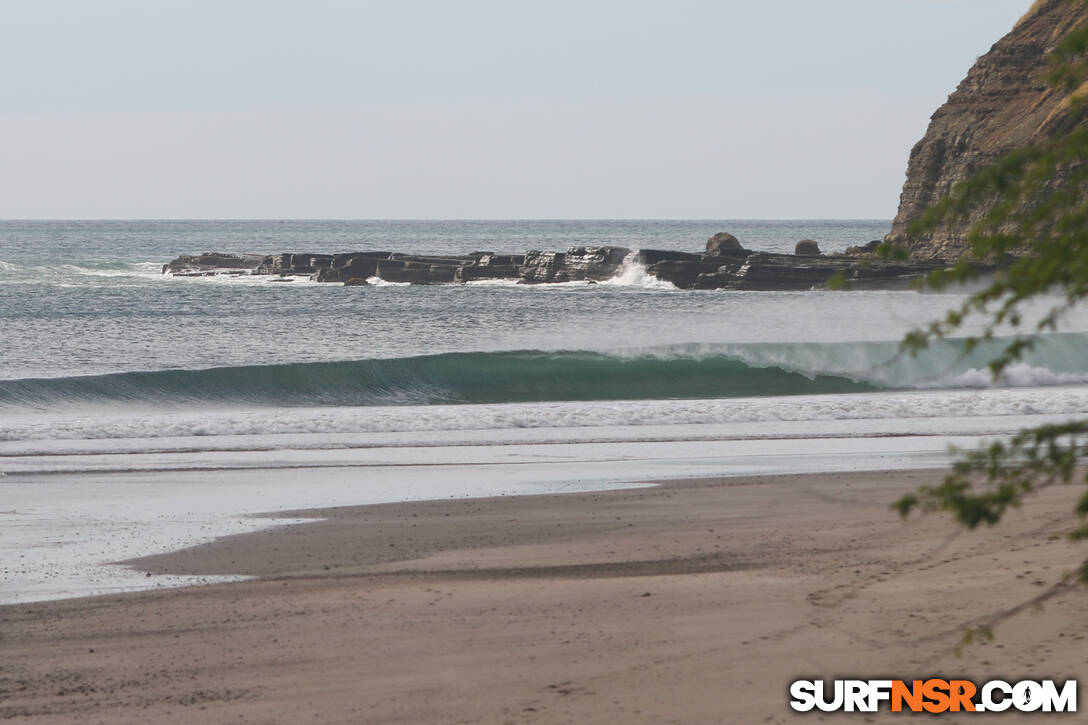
x: 399, y: 270
x: 807, y: 248
x: 735, y: 269
x: 301, y: 263
x: 489, y: 265
x: 648, y: 257
x: 786, y: 272
x: 209, y: 262
x: 694, y: 271
x: 864, y: 249
x: 355, y: 266
x: 722, y: 242
x: 544, y: 267
x: 574, y: 265
x: 343, y: 267
x: 1003, y: 104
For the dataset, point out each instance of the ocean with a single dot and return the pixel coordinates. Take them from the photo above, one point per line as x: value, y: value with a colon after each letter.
x: 141, y: 412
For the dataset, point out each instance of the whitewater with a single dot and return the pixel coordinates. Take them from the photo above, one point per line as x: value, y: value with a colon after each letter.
x: 141, y: 413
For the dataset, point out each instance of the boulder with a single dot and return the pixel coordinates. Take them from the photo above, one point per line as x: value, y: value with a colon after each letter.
x: 722, y: 242
x: 807, y: 248
x: 864, y: 249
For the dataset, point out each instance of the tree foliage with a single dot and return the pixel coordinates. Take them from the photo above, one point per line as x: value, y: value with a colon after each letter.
x: 1030, y: 212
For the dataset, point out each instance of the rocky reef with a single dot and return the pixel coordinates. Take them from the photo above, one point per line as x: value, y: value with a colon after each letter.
x: 724, y: 264
x: 1002, y: 105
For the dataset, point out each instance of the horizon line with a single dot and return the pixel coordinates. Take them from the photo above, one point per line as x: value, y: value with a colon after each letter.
x: 443, y: 219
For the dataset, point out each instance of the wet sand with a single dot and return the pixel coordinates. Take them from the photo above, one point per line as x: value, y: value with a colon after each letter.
x: 692, y: 602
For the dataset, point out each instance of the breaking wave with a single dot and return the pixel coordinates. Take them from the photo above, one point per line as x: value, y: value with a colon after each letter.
x: 672, y: 372
x: 499, y: 377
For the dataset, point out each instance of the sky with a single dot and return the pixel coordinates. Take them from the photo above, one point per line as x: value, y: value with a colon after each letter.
x: 475, y: 109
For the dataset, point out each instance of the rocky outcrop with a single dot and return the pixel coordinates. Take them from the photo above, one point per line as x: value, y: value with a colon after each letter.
x: 722, y: 242
x: 424, y: 269
x: 575, y: 265
x: 344, y: 267
x: 695, y: 271
x: 295, y: 263
x: 1003, y: 104
x: 807, y: 248
x: 414, y: 271
x: 211, y: 262
x: 864, y: 249
x: 789, y: 272
x: 733, y: 268
x: 489, y: 265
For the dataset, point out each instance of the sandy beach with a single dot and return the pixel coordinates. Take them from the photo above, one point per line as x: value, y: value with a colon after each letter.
x: 691, y: 602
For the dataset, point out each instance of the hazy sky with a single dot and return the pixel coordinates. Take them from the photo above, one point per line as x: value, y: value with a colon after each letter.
x: 474, y: 108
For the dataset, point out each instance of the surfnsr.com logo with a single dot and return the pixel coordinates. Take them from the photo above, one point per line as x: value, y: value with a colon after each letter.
x: 933, y: 696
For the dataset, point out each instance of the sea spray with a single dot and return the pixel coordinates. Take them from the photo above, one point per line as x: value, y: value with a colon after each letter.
x: 633, y: 273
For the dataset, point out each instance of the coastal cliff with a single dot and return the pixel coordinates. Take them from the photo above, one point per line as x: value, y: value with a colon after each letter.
x: 1002, y: 105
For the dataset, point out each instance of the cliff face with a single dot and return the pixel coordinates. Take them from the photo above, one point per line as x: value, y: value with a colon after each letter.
x: 1003, y: 104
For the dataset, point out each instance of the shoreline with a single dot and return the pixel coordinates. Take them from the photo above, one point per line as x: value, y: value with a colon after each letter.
x: 691, y: 601
x: 182, y: 502
x: 247, y: 553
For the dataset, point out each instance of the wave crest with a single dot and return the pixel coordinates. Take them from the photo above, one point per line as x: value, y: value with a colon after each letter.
x: 678, y: 371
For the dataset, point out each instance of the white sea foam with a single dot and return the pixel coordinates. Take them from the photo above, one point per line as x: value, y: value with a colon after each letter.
x: 185, y: 478
x: 166, y: 480
x: 1021, y: 375
x: 62, y: 529
x: 247, y: 279
x: 811, y: 410
x: 59, y: 536
x: 379, y: 282
x: 578, y: 284
x: 135, y: 269
x: 495, y: 283
x: 633, y: 274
